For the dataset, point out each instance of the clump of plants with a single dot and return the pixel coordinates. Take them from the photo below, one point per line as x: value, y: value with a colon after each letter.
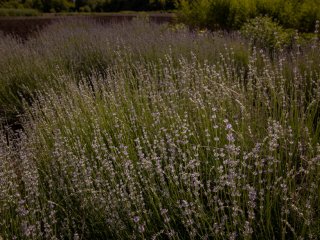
x: 232, y: 14
x: 264, y: 32
x: 164, y: 134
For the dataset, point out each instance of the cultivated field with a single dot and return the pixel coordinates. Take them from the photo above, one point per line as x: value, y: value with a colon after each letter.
x: 146, y: 131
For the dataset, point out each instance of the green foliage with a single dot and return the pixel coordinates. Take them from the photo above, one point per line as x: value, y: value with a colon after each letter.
x: 18, y: 12
x: 39, y: 5
x: 122, y: 5
x: 232, y: 14
x: 11, y: 4
x: 57, y: 6
x: 309, y: 13
x: 237, y: 13
x: 217, y: 13
x: 193, y: 12
x: 262, y: 31
x: 85, y: 8
x: 90, y: 5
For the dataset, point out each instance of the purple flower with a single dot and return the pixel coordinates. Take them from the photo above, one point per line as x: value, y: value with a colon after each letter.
x: 136, y: 219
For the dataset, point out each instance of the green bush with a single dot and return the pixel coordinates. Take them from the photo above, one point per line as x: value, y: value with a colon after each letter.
x: 194, y: 13
x: 85, y: 9
x: 218, y: 13
x: 240, y: 12
x: 264, y: 32
x: 309, y: 13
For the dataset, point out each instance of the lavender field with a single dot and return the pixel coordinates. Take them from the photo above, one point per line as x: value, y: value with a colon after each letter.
x: 144, y: 131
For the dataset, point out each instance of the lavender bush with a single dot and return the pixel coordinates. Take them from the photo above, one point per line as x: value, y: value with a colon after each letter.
x: 32, y: 65
x: 162, y: 134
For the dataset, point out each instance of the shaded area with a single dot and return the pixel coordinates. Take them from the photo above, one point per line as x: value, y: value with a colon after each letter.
x: 26, y: 26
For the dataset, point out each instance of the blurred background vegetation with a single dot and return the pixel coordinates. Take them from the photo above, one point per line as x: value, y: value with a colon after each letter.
x: 89, y: 5
x: 211, y: 14
x: 233, y: 14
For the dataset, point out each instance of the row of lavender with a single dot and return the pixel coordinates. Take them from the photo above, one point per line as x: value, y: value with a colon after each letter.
x: 144, y: 131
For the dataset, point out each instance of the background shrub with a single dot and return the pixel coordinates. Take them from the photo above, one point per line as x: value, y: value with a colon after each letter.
x: 231, y: 14
x: 262, y: 31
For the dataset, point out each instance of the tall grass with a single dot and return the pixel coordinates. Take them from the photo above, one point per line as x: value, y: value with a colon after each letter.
x: 180, y: 136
